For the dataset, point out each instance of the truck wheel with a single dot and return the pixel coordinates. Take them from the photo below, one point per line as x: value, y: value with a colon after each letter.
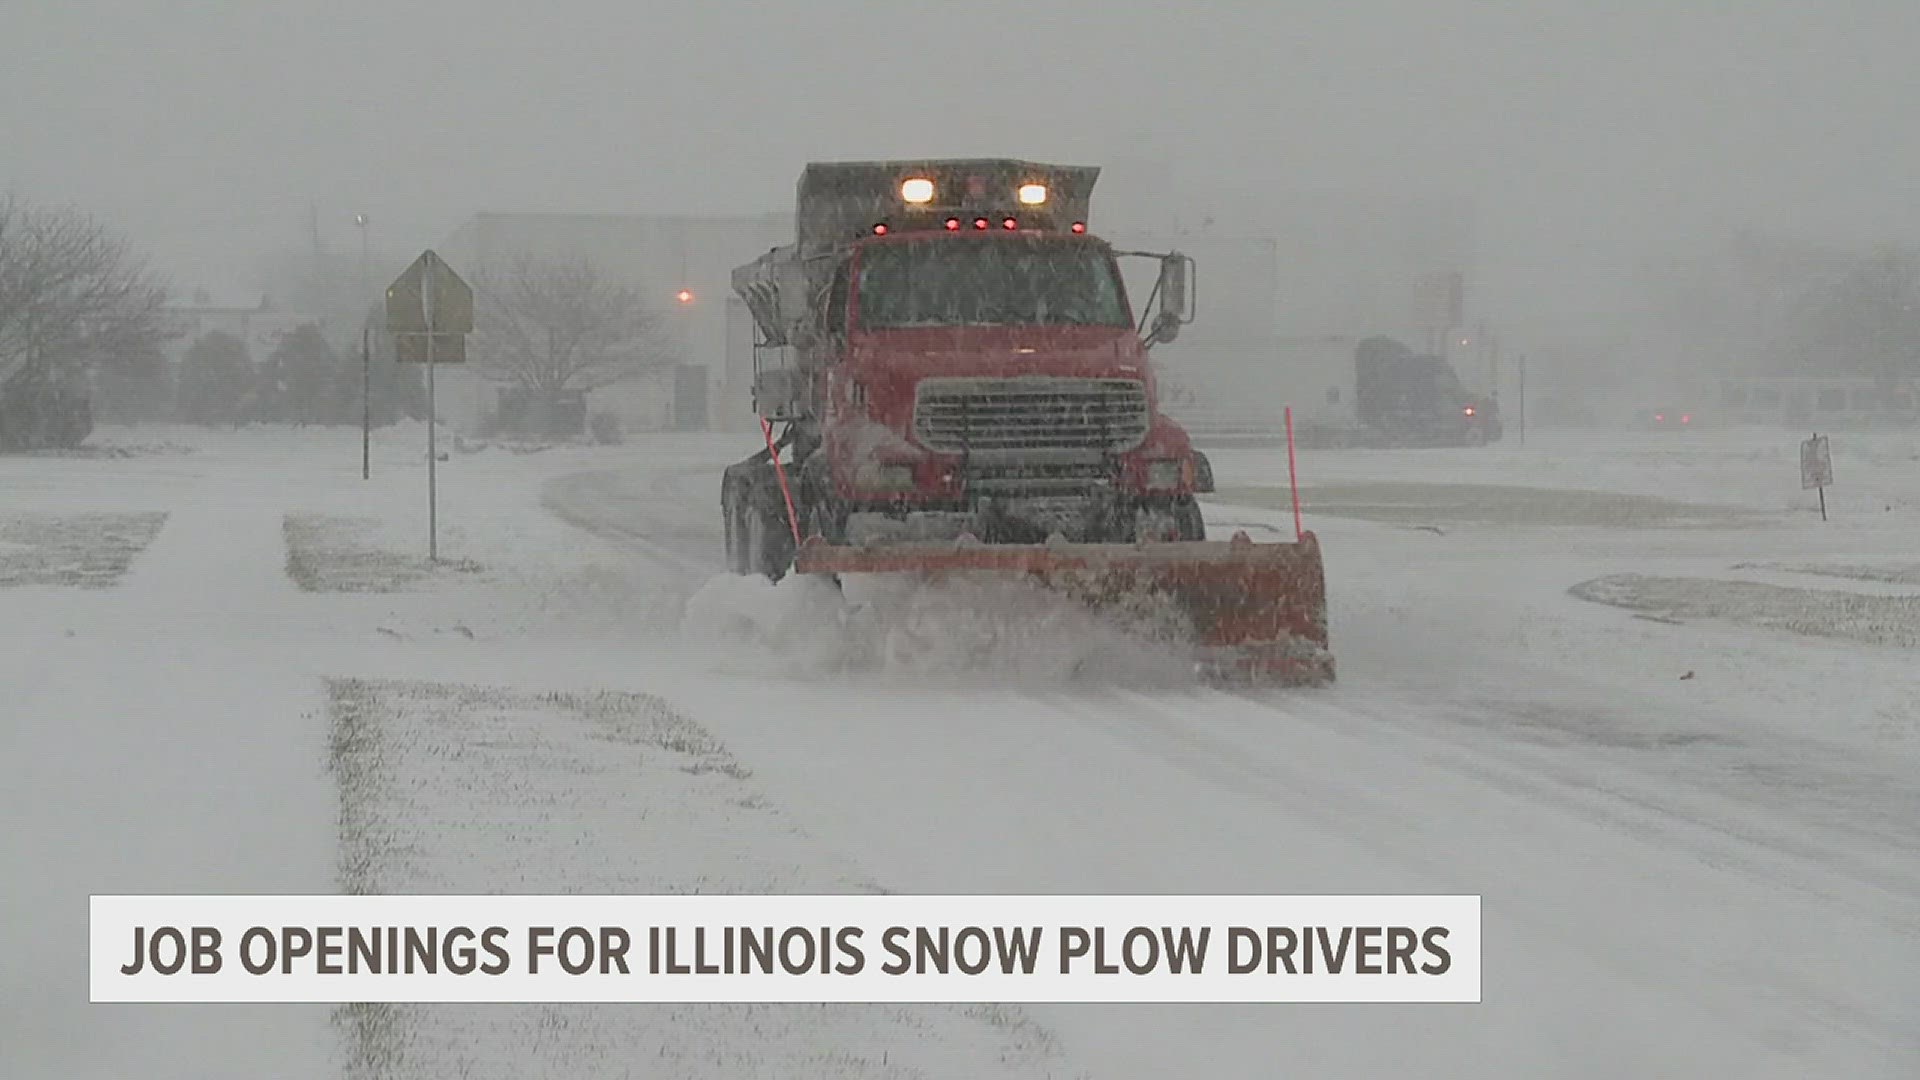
x: 769, y: 535
x: 825, y: 519
x: 1189, y: 523
x: 733, y: 518
x: 1202, y: 473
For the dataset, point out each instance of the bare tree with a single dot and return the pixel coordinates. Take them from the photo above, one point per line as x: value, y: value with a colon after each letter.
x: 71, y: 298
x: 1860, y: 318
x: 559, y: 325
x: 70, y: 292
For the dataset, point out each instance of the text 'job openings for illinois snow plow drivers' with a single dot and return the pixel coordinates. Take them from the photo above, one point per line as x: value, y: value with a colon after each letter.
x: 863, y: 948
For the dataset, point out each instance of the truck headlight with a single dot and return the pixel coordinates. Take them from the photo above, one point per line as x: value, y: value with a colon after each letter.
x: 1163, y: 474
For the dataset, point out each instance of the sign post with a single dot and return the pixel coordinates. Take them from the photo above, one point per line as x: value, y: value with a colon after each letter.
x: 433, y: 454
x: 1816, y: 468
x: 1523, y: 399
x: 366, y: 398
x: 430, y: 314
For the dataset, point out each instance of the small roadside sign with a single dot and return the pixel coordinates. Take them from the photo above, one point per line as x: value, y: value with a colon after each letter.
x: 1816, y: 468
x: 1816, y: 464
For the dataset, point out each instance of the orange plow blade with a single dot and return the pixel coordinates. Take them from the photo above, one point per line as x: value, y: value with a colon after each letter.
x: 1251, y: 612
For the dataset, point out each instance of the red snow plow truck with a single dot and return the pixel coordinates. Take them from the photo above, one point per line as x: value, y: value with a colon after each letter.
x: 950, y: 379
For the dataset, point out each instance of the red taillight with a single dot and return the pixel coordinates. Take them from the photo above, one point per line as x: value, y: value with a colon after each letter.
x: 1468, y: 410
x: 979, y: 223
x: 1659, y: 418
x: 880, y: 229
x: 953, y: 224
x: 1079, y: 226
x: 1686, y: 418
x: 1009, y: 223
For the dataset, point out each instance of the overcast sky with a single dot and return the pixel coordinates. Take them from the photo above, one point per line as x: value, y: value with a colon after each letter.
x: 1583, y: 132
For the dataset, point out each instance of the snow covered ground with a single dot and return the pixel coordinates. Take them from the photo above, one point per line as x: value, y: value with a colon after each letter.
x: 1631, y: 689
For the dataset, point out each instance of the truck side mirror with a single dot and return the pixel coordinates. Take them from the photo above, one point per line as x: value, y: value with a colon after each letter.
x: 1173, y: 287
x: 1176, y: 298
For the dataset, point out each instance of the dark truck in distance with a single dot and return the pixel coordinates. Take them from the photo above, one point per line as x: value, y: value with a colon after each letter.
x: 1404, y: 398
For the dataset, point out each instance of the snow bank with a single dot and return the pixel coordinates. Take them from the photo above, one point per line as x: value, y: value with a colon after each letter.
x: 461, y: 788
x: 1850, y: 616
x: 964, y: 629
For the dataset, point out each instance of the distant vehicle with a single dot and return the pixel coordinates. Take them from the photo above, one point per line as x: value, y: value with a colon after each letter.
x: 523, y: 412
x: 1666, y: 419
x: 1404, y: 398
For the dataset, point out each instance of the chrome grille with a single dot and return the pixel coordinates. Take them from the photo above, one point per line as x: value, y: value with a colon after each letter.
x: 958, y: 415
x: 1032, y: 478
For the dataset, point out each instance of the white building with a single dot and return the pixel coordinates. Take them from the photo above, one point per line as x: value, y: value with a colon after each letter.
x: 1287, y: 290
x: 258, y: 325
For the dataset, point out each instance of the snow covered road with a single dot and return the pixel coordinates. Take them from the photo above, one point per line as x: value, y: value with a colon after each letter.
x: 1694, y: 829
x: 1714, y: 874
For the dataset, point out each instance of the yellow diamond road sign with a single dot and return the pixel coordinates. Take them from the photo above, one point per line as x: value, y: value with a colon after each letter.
x: 430, y: 298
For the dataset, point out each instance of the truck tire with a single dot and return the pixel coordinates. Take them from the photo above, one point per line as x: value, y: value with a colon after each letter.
x: 769, y: 546
x: 733, y: 519
x: 826, y: 519
x: 1202, y: 474
x: 1189, y: 523
x: 821, y: 514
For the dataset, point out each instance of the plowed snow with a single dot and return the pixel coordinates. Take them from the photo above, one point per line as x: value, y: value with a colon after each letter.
x: 964, y: 629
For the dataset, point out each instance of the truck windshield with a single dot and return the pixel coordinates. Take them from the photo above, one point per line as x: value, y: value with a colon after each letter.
x: 997, y: 280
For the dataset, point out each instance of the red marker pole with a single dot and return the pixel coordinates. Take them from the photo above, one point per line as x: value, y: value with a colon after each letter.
x: 780, y: 473
x: 1293, y: 479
